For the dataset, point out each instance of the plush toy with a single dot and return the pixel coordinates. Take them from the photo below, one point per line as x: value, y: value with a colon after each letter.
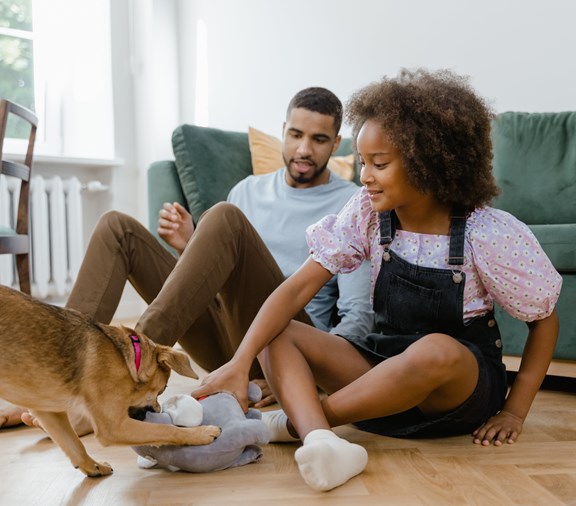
x: 236, y: 446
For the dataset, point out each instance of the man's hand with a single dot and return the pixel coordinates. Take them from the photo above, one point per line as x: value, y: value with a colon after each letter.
x: 267, y: 395
x: 501, y: 428
x: 175, y: 225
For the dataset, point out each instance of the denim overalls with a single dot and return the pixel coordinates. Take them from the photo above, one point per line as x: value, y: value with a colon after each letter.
x: 410, y: 302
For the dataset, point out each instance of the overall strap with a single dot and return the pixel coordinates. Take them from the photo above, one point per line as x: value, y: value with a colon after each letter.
x: 387, y: 227
x: 457, y: 228
x: 387, y: 232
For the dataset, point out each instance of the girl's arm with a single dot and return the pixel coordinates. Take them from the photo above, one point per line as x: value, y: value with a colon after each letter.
x: 538, y: 351
x: 274, y: 315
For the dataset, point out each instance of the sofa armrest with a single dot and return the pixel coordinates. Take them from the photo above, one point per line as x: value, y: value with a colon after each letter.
x: 163, y: 186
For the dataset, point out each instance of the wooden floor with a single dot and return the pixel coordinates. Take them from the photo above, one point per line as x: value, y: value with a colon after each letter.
x: 538, y: 470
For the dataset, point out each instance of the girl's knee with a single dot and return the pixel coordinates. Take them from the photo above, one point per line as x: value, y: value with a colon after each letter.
x: 288, y: 337
x: 436, y: 354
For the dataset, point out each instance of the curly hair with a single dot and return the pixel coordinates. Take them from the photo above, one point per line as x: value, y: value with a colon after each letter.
x: 441, y: 128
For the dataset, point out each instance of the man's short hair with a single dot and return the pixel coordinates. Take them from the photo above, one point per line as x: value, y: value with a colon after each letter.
x: 319, y: 100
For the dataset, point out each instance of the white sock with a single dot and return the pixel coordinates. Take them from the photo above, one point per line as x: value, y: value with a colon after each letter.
x: 327, y: 461
x: 277, y: 423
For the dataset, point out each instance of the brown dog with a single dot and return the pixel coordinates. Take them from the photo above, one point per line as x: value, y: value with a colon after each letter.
x: 54, y: 359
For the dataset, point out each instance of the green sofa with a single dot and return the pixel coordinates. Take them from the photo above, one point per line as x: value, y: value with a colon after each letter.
x: 207, y: 163
x: 534, y: 163
x: 535, y: 166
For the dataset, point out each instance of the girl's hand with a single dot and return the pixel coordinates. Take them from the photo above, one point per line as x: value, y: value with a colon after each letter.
x: 175, y: 225
x: 228, y: 378
x: 503, y: 427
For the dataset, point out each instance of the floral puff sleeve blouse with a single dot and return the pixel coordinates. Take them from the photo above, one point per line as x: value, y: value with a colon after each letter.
x: 503, y: 262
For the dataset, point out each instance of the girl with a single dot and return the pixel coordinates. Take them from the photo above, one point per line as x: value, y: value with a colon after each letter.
x: 440, y: 258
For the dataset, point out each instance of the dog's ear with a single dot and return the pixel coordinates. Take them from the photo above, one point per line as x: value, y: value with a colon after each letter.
x: 175, y: 360
x: 120, y: 336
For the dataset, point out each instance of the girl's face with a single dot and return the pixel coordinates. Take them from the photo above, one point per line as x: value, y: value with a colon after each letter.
x: 383, y: 172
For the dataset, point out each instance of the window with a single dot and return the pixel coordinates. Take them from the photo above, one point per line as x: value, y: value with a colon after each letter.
x: 55, y: 59
x: 16, y: 58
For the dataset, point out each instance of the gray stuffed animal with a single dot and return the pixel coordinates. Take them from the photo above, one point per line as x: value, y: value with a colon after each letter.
x: 236, y: 446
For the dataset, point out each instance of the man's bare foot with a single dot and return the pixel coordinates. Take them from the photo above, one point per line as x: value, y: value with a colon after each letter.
x: 80, y: 423
x: 267, y: 395
x: 10, y: 415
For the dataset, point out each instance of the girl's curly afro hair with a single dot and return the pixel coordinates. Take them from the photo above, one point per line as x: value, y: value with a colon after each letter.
x: 441, y: 128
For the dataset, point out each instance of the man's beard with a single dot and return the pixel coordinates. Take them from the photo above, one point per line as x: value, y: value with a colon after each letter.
x: 305, y: 178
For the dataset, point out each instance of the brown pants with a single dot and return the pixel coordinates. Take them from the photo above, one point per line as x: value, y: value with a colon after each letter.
x: 205, y: 300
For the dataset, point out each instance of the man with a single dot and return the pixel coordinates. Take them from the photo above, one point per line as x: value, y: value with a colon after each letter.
x: 236, y: 256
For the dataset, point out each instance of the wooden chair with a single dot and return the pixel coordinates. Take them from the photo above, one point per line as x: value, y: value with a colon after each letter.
x: 16, y: 240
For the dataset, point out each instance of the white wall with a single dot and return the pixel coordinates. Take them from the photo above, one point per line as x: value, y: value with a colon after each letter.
x: 519, y: 53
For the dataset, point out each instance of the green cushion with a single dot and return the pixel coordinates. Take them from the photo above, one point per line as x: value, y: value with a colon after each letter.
x: 345, y: 147
x: 209, y: 163
x: 535, y: 165
x: 559, y: 243
x: 163, y: 186
x: 514, y: 332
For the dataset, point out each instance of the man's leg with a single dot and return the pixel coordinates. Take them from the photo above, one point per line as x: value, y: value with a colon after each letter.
x: 216, y: 289
x: 225, y: 255
x: 120, y: 249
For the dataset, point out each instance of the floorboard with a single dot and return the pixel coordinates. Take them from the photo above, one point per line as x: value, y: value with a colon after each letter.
x: 540, y: 469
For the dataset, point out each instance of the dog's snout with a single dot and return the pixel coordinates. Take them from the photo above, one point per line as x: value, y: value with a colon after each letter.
x: 140, y: 412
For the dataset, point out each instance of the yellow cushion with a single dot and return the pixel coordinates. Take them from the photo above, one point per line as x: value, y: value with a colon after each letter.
x: 266, y: 154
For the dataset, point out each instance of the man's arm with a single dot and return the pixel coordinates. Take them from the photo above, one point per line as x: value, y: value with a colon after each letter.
x: 354, y: 309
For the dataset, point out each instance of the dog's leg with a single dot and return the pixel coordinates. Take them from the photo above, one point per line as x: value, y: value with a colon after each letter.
x: 58, y: 427
x: 133, y: 432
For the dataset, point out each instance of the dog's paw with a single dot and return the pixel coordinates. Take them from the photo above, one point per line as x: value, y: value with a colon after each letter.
x: 205, y: 434
x: 96, y: 469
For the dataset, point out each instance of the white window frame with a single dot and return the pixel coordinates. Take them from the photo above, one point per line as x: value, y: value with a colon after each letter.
x: 12, y: 145
x: 72, y: 81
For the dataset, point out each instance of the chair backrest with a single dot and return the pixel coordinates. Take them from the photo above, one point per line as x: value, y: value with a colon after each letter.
x: 15, y: 239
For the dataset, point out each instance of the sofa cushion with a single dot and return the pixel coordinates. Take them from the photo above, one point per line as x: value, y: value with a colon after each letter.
x: 514, y: 332
x: 266, y: 153
x: 209, y: 162
x: 535, y: 165
x: 559, y: 243
x: 163, y: 186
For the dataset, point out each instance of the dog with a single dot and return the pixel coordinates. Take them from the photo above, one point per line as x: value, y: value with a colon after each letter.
x: 54, y: 359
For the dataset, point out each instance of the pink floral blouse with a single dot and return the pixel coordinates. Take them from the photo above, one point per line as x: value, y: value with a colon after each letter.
x: 503, y: 260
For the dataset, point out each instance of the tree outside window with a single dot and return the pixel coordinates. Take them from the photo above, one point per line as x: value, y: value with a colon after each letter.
x: 16, y: 58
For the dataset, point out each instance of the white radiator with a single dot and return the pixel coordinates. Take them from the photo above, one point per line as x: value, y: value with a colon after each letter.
x: 56, y: 231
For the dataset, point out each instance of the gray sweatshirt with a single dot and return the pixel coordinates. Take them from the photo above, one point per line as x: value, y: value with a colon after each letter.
x: 281, y: 215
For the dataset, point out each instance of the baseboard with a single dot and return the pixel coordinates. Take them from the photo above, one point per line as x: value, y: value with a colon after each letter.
x: 563, y: 368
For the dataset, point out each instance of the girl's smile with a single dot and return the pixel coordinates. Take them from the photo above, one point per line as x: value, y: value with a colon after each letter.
x: 389, y: 187
x: 383, y: 172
